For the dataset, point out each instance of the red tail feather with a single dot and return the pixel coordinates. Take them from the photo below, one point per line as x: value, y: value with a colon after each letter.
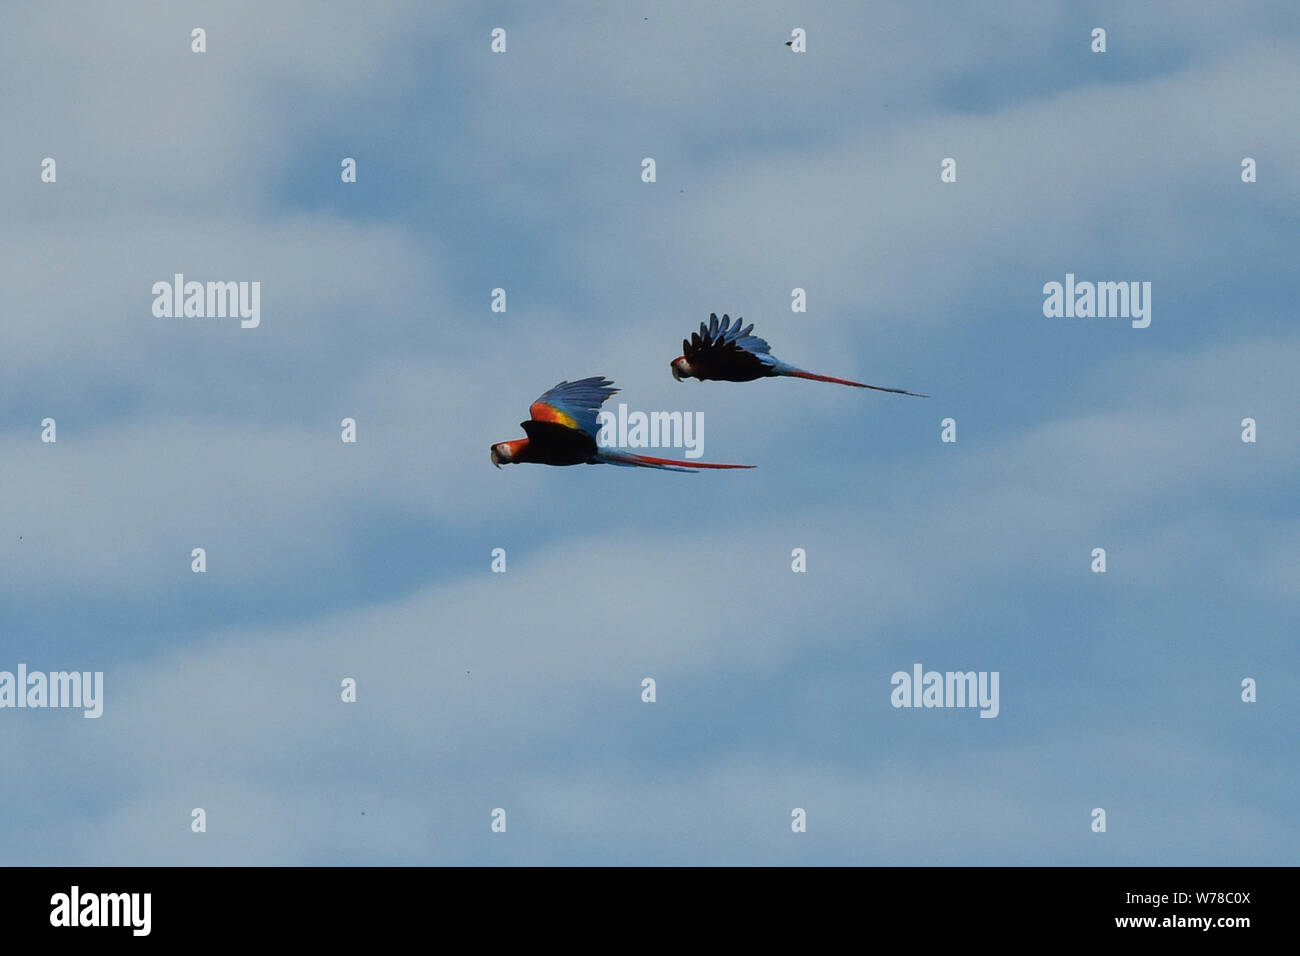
x: 844, y: 381
x: 628, y: 457
x: 684, y: 464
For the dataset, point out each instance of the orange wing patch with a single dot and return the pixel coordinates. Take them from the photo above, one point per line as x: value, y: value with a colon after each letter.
x: 541, y: 412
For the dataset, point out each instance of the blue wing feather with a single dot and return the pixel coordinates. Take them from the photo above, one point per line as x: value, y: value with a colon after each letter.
x: 737, y: 335
x: 578, y: 401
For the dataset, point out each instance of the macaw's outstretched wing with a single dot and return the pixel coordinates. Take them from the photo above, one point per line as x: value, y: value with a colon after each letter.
x: 724, y: 345
x: 573, y: 404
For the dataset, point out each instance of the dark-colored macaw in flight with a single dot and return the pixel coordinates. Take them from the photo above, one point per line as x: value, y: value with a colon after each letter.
x: 562, y: 431
x: 728, y: 353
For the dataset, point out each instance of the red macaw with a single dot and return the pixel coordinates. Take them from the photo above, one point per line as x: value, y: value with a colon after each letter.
x: 562, y: 431
x: 728, y: 353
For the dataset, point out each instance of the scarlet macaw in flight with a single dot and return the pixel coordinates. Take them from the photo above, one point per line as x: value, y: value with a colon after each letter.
x: 562, y: 431
x: 728, y: 353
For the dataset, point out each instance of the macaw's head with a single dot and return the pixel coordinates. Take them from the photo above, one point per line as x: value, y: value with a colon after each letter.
x: 682, y: 368
x: 509, y: 452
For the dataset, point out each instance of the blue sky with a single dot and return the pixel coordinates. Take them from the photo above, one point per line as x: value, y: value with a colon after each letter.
x: 775, y: 170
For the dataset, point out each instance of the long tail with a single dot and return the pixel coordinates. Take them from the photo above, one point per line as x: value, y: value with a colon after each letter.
x: 800, y: 373
x: 644, y: 461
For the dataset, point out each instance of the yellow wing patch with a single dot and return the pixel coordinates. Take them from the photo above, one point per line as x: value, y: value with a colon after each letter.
x: 541, y: 412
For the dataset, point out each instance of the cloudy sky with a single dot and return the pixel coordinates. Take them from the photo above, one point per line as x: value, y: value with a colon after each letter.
x: 522, y: 690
